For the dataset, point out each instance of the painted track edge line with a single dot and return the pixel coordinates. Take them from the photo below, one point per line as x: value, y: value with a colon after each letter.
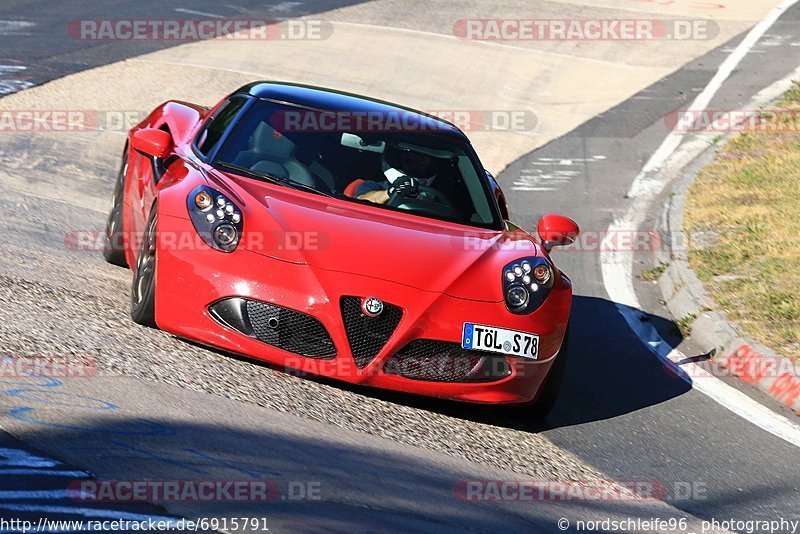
x: 617, y: 267
x: 685, y: 294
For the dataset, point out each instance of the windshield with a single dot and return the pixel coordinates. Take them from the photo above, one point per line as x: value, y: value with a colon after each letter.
x: 420, y: 172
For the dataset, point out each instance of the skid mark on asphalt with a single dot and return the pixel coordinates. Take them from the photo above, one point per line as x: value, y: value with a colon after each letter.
x: 550, y: 174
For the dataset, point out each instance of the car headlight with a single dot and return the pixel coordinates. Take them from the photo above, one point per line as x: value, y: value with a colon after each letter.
x: 526, y: 284
x: 517, y: 296
x: 215, y: 217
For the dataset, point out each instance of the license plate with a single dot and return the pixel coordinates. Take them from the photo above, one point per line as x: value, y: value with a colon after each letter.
x: 502, y: 340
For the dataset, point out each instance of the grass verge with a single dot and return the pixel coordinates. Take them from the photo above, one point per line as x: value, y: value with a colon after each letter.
x: 743, y: 223
x: 651, y: 275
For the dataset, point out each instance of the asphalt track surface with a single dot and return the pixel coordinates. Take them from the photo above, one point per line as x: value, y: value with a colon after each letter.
x: 34, y: 49
x: 639, y: 411
x: 35, y: 46
x: 640, y: 422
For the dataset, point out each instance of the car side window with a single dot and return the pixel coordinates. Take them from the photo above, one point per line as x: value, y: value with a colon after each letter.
x: 212, y: 133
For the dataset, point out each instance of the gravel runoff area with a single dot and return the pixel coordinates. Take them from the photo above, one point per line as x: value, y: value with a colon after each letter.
x: 58, y: 301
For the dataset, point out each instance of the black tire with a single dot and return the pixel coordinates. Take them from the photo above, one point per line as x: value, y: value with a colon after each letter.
x: 113, y: 246
x: 143, y: 288
x: 540, y: 408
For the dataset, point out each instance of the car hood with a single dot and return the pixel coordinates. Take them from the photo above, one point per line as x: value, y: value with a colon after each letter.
x: 338, y: 235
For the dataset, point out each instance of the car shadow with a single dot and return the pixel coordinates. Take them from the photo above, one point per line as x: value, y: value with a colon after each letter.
x: 610, y: 372
x: 320, y: 479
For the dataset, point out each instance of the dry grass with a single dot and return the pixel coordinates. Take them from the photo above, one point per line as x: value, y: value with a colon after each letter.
x: 748, y: 202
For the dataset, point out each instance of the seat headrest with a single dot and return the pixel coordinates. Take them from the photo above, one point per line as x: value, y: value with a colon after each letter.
x: 271, y: 143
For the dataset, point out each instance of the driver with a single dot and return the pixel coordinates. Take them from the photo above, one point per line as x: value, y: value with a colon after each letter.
x: 405, y: 171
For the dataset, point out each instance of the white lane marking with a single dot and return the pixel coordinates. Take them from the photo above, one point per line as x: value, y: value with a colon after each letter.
x: 85, y: 512
x: 284, y: 6
x: 555, y: 179
x: 668, y: 146
x: 548, y: 174
x: 8, y: 27
x: 617, y: 266
x: 569, y: 161
x: 53, y: 472
x: 51, y: 495
x: 198, y: 13
x: 558, y: 176
x: 21, y: 458
x: 710, y: 385
x: 12, y: 85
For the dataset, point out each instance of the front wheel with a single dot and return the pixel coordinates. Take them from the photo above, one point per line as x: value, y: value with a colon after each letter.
x: 113, y: 245
x: 540, y: 408
x: 143, y: 289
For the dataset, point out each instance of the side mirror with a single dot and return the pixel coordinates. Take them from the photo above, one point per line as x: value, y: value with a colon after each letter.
x: 152, y: 142
x: 556, y: 231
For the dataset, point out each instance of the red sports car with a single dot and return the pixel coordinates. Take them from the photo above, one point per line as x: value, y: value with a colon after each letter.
x: 343, y: 236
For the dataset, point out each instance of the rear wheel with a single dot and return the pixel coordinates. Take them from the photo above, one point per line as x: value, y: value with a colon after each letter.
x: 143, y: 289
x: 113, y: 245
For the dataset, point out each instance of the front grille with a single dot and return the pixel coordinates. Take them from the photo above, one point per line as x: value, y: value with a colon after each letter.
x: 368, y: 335
x: 443, y: 361
x: 290, y: 330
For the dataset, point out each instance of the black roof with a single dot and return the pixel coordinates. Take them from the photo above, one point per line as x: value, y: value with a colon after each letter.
x: 332, y: 100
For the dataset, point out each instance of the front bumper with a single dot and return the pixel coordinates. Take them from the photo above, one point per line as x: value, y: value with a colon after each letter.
x: 190, y: 279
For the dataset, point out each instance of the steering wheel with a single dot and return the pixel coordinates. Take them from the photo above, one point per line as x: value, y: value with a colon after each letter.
x: 432, y: 203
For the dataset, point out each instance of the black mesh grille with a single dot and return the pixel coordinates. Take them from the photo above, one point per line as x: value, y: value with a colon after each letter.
x: 367, y: 335
x: 443, y: 361
x: 290, y: 330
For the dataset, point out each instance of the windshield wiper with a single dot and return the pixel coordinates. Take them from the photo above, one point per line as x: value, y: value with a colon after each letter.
x: 272, y: 179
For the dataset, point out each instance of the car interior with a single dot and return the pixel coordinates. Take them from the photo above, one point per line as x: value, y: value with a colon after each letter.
x: 336, y: 163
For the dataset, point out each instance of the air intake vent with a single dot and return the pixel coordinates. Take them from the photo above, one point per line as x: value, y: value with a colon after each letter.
x: 443, y: 361
x: 284, y: 328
